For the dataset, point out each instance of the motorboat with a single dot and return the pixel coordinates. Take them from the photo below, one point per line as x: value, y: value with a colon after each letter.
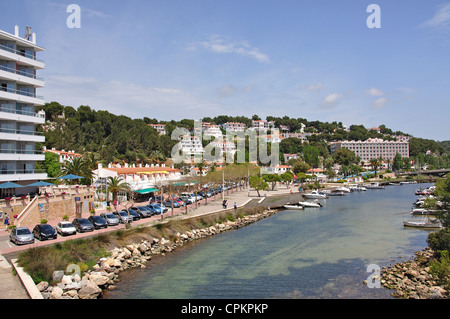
x: 314, y: 195
x: 333, y: 192
x: 424, y: 211
x: 343, y: 189
x: 373, y: 185
x: 294, y: 206
x: 395, y: 184
x: 310, y: 204
x: 428, y: 223
x: 356, y: 188
x: 408, y: 182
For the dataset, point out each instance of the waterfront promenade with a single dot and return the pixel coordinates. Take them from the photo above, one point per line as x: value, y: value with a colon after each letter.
x: 12, y: 288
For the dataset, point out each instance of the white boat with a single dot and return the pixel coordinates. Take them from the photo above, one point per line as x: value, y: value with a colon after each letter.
x: 356, y: 188
x: 315, y: 195
x: 343, y: 189
x: 408, y: 182
x: 373, y: 185
x: 429, y: 223
x: 293, y: 206
x: 310, y: 204
x: 395, y: 184
x: 330, y: 192
x: 423, y: 211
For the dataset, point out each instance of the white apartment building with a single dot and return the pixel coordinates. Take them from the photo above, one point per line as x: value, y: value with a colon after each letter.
x: 262, y: 125
x: 225, y: 146
x: 20, y: 108
x: 191, y: 145
x: 374, y: 148
x: 161, y: 128
x: 234, y: 126
x: 211, y: 130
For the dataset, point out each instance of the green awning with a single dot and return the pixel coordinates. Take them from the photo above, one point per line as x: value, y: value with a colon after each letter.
x: 146, y: 190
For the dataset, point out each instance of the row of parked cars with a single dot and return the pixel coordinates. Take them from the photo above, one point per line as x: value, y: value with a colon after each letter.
x: 23, y: 235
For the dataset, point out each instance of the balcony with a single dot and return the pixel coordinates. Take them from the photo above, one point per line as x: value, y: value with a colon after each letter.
x: 20, y: 76
x: 8, y: 134
x: 22, y: 175
x: 21, y: 96
x: 20, y: 56
x: 21, y: 155
x: 11, y: 113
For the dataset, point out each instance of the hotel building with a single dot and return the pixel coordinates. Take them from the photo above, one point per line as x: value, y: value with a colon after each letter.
x: 374, y: 148
x: 234, y: 126
x: 20, y: 109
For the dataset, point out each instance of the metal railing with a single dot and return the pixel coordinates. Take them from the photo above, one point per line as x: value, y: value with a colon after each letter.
x: 23, y: 72
x: 21, y: 92
x: 18, y: 52
x: 21, y: 171
x: 19, y: 131
x: 16, y: 111
x: 20, y: 151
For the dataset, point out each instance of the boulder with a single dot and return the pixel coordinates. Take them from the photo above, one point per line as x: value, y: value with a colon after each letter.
x: 57, y: 275
x: 56, y: 293
x: 42, y: 286
x: 89, y: 291
x: 66, y: 280
x: 98, y: 279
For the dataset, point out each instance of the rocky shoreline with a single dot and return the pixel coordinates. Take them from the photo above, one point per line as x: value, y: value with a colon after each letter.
x: 412, y: 279
x: 105, y: 274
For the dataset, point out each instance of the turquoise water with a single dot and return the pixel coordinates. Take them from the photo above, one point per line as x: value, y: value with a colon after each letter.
x: 315, y: 253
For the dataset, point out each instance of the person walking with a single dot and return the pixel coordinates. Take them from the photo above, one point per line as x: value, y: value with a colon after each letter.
x: 6, y: 221
x: 235, y: 206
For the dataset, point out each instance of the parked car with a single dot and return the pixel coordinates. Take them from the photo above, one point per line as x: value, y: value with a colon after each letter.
x: 21, y: 235
x: 187, y: 199
x: 82, y: 225
x: 110, y: 218
x: 65, y: 228
x: 123, y: 217
x: 157, y: 208
x: 98, y: 221
x: 44, y: 231
x: 168, y: 203
x: 135, y: 215
x: 143, y: 211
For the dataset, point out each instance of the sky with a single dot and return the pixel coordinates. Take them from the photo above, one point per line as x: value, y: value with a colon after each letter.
x: 312, y: 59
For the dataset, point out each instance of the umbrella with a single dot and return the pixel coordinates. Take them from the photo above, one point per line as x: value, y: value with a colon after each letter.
x: 39, y: 184
x: 70, y: 176
x: 10, y: 185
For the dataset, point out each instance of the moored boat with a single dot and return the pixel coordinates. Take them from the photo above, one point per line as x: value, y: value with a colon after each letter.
x: 373, y: 185
x: 423, y: 223
x: 294, y: 206
x: 310, y: 204
x: 330, y: 192
x: 356, y: 188
x: 314, y: 195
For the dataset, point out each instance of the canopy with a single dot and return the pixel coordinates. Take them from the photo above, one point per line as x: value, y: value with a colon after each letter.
x: 10, y: 185
x: 39, y: 184
x: 146, y: 190
x: 70, y: 176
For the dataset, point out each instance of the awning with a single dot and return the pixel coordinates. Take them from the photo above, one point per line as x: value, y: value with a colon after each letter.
x: 146, y: 190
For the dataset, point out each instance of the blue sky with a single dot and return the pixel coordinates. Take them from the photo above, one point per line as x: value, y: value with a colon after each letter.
x: 189, y: 59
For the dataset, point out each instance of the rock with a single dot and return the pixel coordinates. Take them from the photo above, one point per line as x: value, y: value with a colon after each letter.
x: 76, y: 278
x: 71, y: 293
x: 98, y: 279
x: 66, y: 280
x: 126, y: 252
x: 57, y: 275
x: 56, y: 293
x: 72, y: 286
x: 89, y: 291
x: 42, y: 286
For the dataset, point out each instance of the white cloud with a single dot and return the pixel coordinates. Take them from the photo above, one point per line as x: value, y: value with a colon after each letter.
x: 313, y: 87
x: 381, y: 102
x: 332, y: 98
x: 441, y: 18
x: 218, y: 44
x: 375, y: 92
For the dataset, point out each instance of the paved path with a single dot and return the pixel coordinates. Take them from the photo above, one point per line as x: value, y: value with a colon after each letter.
x: 11, y: 287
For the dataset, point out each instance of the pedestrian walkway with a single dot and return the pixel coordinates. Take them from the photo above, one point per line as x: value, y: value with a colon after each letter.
x: 11, y: 287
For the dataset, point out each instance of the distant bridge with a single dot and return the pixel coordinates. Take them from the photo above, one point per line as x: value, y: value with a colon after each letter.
x: 439, y: 172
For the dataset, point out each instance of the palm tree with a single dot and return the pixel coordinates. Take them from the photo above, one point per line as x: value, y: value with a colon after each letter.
x: 115, y: 185
x: 375, y: 162
x: 76, y: 166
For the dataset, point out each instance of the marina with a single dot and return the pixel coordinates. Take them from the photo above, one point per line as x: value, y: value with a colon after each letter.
x: 320, y: 253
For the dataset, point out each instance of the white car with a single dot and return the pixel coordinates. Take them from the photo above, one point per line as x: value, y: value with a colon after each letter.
x: 65, y: 228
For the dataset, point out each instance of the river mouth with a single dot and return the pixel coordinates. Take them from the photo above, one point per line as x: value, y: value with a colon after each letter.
x: 312, y: 254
